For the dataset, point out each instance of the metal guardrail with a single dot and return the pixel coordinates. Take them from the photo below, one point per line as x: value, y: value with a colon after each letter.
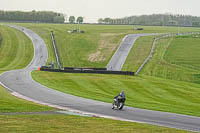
x: 154, y: 44
x: 149, y: 57
x: 55, y: 50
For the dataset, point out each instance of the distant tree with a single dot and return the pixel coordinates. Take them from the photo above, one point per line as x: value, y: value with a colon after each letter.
x: 107, y: 20
x: 79, y: 20
x: 196, y: 23
x: 71, y: 19
x: 100, y: 21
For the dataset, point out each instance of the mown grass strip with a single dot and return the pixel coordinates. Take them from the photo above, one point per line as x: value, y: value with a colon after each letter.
x: 74, y: 124
x: 16, y: 50
x: 184, y: 51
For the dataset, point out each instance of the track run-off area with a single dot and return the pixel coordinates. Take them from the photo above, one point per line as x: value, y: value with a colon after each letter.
x: 21, y: 84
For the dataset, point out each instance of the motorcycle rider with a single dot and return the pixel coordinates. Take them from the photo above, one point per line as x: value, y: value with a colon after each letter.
x: 120, y: 97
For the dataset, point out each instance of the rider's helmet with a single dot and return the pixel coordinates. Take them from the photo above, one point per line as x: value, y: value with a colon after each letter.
x: 122, y: 94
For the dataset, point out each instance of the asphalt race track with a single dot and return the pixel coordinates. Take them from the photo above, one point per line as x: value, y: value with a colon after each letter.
x: 20, y: 84
x: 118, y: 59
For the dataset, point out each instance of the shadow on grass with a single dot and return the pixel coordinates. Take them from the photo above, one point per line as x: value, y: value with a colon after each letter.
x: 197, y: 78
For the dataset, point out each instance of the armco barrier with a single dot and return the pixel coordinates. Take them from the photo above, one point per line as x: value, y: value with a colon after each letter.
x: 55, y: 50
x: 88, y: 71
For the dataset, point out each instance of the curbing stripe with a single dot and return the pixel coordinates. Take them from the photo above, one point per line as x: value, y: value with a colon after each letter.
x: 82, y: 113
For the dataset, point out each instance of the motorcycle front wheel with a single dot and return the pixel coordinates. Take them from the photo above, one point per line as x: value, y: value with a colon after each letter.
x: 121, y: 105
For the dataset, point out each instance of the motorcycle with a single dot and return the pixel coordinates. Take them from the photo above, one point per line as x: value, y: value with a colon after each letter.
x: 118, y: 103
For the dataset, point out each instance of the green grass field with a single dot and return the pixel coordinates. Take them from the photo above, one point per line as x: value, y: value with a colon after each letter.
x: 74, y: 124
x: 184, y: 51
x: 175, y: 58
x: 16, y: 50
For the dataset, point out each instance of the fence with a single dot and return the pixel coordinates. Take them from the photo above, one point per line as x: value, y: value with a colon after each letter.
x: 83, y: 70
x: 55, y: 50
x: 154, y: 44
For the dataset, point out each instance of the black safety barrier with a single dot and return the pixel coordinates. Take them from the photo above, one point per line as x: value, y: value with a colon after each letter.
x: 88, y: 71
x: 45, y: 67
x: 84, y: 68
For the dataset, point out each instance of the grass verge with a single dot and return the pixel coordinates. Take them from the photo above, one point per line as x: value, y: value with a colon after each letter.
x: 74, y: 124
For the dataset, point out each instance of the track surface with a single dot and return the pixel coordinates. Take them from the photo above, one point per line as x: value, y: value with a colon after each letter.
x: 20, y: 82
x: 119, y: 58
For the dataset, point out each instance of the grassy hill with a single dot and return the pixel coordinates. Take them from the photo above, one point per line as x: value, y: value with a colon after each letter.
x: 16, y: 52
x: 142, y: 91
x: 95, y: 47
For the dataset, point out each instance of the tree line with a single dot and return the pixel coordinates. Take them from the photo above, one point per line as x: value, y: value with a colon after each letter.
x: 155, y: 19
x: 33, y: 16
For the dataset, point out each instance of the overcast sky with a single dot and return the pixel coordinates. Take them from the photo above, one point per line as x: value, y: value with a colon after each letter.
x: 91, y: 10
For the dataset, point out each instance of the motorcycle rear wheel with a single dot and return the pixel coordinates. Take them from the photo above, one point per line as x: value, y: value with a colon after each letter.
x: 113, y: 105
